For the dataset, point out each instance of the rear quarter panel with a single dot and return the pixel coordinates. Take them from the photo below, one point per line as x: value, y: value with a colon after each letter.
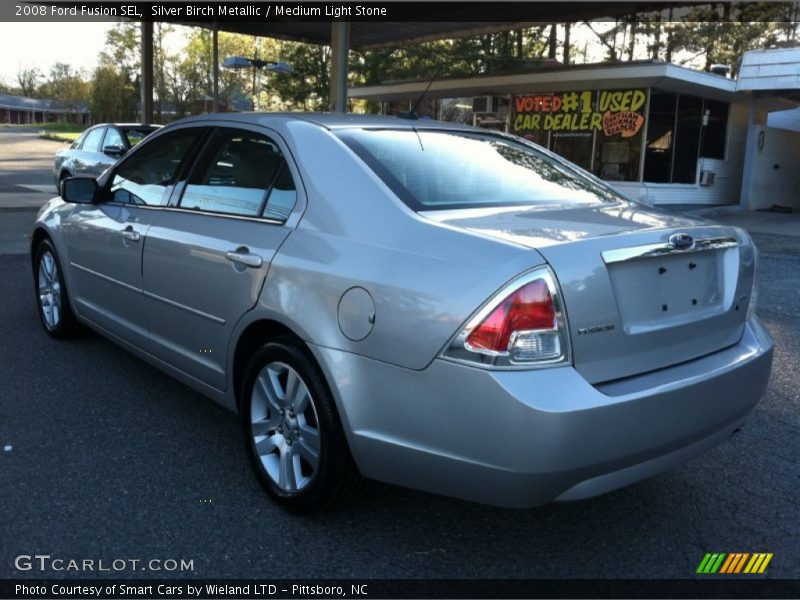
x: 425, y: 279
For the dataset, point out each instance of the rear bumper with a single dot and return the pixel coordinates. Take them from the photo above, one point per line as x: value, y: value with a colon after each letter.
x: 524, y: 438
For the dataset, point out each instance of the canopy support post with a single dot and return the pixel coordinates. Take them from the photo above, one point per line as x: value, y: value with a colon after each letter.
x: 340, y: 46
x: 147, y: 72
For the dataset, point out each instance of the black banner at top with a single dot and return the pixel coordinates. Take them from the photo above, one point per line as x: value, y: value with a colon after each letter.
x: 183, y: 11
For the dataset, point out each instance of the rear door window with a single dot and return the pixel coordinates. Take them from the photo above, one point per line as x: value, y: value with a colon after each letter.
x: 113, y: 138
x: 241, y: 173
x: 282, y: 197
x: 91, y: 142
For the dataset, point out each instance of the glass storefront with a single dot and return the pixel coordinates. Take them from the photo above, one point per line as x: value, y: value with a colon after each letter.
x: 600, y: 130
x: 603, y: 131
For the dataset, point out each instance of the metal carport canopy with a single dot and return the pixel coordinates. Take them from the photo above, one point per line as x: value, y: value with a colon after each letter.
x: 478, y: 18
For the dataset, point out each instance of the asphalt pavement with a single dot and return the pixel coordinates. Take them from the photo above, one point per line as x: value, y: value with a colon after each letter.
x: 105, y: 457
x: 26, y: 167
x: 111, y: 459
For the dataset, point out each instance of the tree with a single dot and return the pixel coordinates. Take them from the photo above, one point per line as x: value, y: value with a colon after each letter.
x: 722, y: 33
x: 607, y: 38
x: 28, y: 80
x: 308, y: 87
x: 233, y: 84
x: 113, y: 97
x: 65, y: 84
x: 123, y: 47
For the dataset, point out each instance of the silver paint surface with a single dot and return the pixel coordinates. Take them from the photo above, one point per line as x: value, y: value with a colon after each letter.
x: 630, y: 403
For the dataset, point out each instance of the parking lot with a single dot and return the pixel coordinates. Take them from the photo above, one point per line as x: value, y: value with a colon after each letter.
x: 106, y: 458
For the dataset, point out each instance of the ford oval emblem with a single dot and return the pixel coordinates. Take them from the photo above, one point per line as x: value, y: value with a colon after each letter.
x: 681, y: 241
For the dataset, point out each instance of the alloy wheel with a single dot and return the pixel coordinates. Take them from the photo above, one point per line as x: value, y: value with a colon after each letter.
x: 285, y: 427
x: 49, y: 290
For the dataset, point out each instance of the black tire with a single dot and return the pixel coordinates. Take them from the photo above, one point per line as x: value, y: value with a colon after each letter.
x: 335, y: 479
x: 65, y: 326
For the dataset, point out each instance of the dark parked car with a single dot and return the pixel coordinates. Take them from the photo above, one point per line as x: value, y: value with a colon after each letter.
x: 98, y: 148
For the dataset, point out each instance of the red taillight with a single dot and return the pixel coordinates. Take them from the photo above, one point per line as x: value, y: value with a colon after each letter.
x: 528, y: 308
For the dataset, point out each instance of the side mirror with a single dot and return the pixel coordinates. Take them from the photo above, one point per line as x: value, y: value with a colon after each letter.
x: 79, y: 190
x: 114, y: 150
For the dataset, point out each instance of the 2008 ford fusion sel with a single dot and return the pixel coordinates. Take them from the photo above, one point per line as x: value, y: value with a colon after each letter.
x: 425, y: 304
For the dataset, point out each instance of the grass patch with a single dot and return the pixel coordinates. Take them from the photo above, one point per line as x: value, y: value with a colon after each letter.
x: 59, y: 136
x: 62, y: 127
x: 60, y: 132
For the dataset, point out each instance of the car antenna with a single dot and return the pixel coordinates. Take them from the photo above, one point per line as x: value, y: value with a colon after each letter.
x: 412, y: 114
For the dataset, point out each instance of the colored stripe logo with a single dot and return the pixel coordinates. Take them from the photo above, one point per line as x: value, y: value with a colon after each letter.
x: 734, y: 562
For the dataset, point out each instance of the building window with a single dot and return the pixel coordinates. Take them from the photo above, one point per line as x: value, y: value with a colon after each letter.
x: 576, y: 147
x: 395, y: 107
x: 681, y: 129
x: 456, y: 110
x: 687, y: 139
x: 660, y: 130
x: 715, y: 128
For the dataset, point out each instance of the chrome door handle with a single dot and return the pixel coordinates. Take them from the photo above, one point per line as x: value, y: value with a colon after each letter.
x: 129, y: 234
x: 243, y: 256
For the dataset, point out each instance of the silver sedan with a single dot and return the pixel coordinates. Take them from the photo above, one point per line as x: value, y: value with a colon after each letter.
x: 98, y: 148
x: 433, y: 306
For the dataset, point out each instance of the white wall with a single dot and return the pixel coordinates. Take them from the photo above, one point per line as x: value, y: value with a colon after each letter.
x: 770, y: 185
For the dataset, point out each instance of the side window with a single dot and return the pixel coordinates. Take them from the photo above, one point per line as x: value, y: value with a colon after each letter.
x: 234, y: 174
x: 136, y: 135
x: 282, y: 197
x: 144, y: 176
x: 93, y: 139
x: 113, y: 138
x: 77, y: 143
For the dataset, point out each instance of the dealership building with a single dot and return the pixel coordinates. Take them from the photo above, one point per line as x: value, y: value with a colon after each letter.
x: 19, y: 110
x: 660, y: 133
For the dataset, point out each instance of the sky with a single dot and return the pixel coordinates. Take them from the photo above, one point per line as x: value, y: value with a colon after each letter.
x: 42, y: 44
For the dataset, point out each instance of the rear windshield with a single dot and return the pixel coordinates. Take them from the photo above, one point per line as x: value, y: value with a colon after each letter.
x: 430, y: 170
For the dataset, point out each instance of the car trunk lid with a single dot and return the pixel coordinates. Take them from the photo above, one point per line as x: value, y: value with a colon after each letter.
x: 636, y: 301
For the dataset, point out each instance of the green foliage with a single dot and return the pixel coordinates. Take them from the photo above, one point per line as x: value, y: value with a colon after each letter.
x: 123, y: 43
x: 702, y: 35
x: 722, y: 33
x: 28, y: 81
x: 198, y: 67
x: 488, y: 53
x: 65, y: 84
x: 61, y: 127
x: 113, y: 94
x: 308, y: 87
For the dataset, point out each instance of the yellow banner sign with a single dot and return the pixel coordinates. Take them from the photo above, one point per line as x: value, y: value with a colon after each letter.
x: 610, y: 111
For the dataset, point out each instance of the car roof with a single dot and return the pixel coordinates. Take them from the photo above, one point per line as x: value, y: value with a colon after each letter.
x: 328, y: 120
x: 128, y: 125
